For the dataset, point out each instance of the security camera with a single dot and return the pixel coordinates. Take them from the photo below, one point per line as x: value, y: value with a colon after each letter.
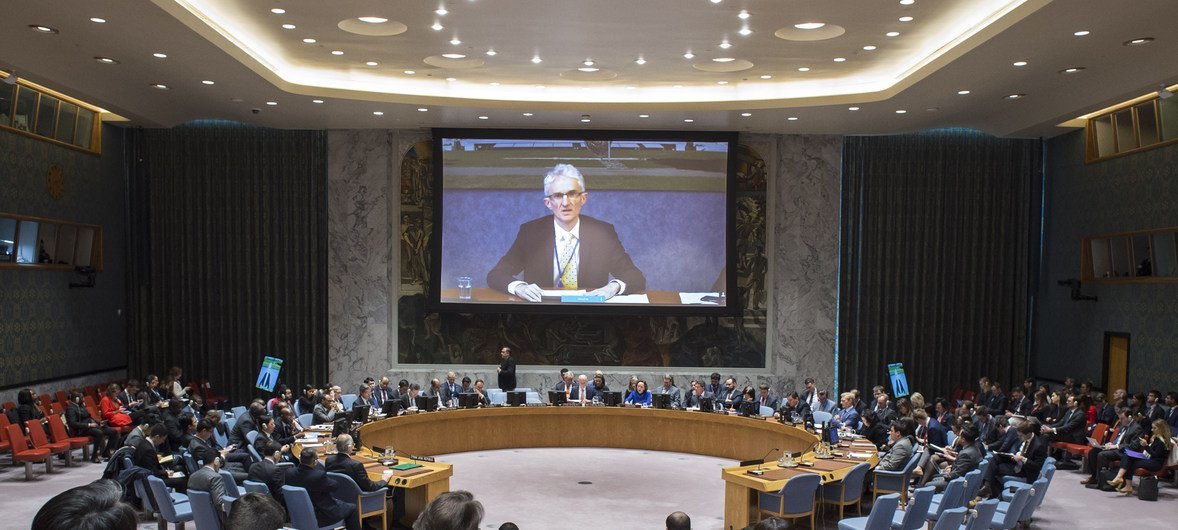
x: 256, y: 110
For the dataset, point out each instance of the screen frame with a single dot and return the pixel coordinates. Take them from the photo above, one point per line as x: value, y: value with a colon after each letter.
x: 733, y: 303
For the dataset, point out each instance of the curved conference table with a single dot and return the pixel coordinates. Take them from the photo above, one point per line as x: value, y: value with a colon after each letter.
x: 457, y: 431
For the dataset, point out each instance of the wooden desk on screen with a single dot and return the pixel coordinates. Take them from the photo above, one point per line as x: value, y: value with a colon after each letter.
x: 488, y: 295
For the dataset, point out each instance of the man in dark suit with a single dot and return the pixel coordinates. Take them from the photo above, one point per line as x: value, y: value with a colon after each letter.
x: 1172, y: 415
x: 1026, y: 461
x: 995, y: 400
x: 583, y: 391
x: 208, y: 479
x: 267, y: 471
x: 245, y: 424
x: 766, y: 397
x: 566, y: 250
x: 344, y: 464
x: 311, y: 476
x: 1070, y: 427
x: 1018, y: 403
x: 1126, y: 433
x: 932, y: 431
x: 697, y: 393
x: 1153, y: 406
x: 506, y: 370
x: 961, y: 462
x: 383, y: 391
x: 451, y: 388
x: 794, y: 406
x: 147, y: 457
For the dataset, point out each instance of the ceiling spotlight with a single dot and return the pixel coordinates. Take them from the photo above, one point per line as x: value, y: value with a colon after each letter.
x: 852, y: 109
x: 644, y: 115
x: 423, y: 109
x: 377, y: 113
x: 317, y: 101
x: 746, y: 114
x: 528, y: 114
x: 455, y: 41
x: 892, y: 34
x: 106, y: 60
x: 804, y: 69
x: 484, y: 118
x: 962, y: 92
x: 725, y: 45
x: 371, y: 63
x: 278, y: 11
x: 451, y: 79
x: 640, y: 61
x: 410, y: 72
x: 337, y: 52
x: 588, y: 69
x: 721, y: 82
x: 537, y: 60
x: 724, y: 59
x: 159, y: 55
x: 1164, y: 92
x: 588, y: 62
x: 901, y: 111
x: 208, y: 82
x: 42, y: 29
x: 1081, y: 33
x: 453, y: 56
x: 585, y: 118
x: 271, y: 103
x: 743, y: 15
x: 688, y: 120
x: 289, y: 26
x: 310, y: 41
x: 159, y: 86
x: 869, y: 47
x: 689, y: 55
x: 745, y: 31
x: 373, y: 20
x: 1019, y: 63
x: 766, y: 76
x: 437, y: 26
x: 905, y: 19
x: 441, y: 11
x: 840, y: 59
x: 97, y: 20
x: 1071, y: 70
x: 907, y: 2
x: 1138, y: 41
x: 717, y: 1
x: 792, y: 118
x: 1016, y: 96
x: 810, y: 25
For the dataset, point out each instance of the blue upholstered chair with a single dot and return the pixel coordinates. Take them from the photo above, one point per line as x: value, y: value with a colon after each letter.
x: 953, y: 497
x: 306, y: 419
x: 533, y: 398
x: 239, y: 411
x: 985, y: 515
x: 914, y: 515
x: 880, y: 517
x: 766, y: 411
x: 255, y: 487
x: 190, y: 465
x: 222, y: 439
x: 203, y: 511
x: 1038, y: 492
x: 302, y: 512
x: 822, y: 417
x: 973, y: 482
x: 1007, y: 513
x: 368, y: 504
x: 848, y: 491
x: 952, y: 519
x: 347, y: 400
x: 884, y: 482
x: 497, y: 397
x: 170, y: 512
x: 231, y: 489
x: 795, y: 500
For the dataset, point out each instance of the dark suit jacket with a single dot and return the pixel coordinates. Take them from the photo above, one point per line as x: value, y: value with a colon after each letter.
x: 1070, y: 427
x: 590, y: 392
x: 203, y: 452
x: 936, y: 433
x: 1036, y: 457
x: 244, y: 425
x: 1155, y: 412
x: 345, y: 465
x: 803, y: 410
x: 206, y: 479
x: 318, y: 485
x: 967, y: 460
x: 148, y: 458
x: 273, y: 476
x: 507, y: 374
x: 448, y: 393
x: 601, y: 255
x: 693, y: 401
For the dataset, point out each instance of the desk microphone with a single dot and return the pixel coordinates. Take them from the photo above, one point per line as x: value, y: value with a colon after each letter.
x: 758, y: 471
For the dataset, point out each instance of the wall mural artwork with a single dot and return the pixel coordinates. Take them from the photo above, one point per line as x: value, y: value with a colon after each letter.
x: 450, y: 338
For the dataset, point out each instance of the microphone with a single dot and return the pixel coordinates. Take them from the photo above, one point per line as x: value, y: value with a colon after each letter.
x: 758, y: 471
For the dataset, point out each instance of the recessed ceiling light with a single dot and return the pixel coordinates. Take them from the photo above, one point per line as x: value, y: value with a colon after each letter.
x: 441, y: 10
x: 491, y: 52
x: 455, y: 41
x: 377, y: 113
x: 160, y: 86
x: 371, y: 63
x: 289, y: 26
x: 208, y: 82
x: 810, y: 25
x: 901, y: 111
x: 745, y: 31
x: 907, y: 2
x: 271, y: 103
x: 792, y: 118
x: 962, y: 92
x: 892, y: 34
x: 688, y: 120
x: 106, y: 60
x: 159, y: 55
x: 539, y: 87
x: 743, y: 15
x: 1081, y: 33
x: 717, y: 1
x: 852, y: 109
x: 640, y: 61
x: 484, y: 118
x: 373, y: 20
x: 494, y: 83
x: 437, y: 26
x: 905, y: 19
x: 278, y: 11
x: 644, y: 115
x: 869, y: 47
x: 528, y: 114
x: 840, y: 59
x: 98, y: 20
x: 1016, y: 96
x: 1071, y: 70
x: 721, y: 82
x: 689, y: 55
x: 537, y: 60
x: 1019, y: 63
x: 587, y: 62
x: 1139, y: 41
x: 677, y: 86
x: 725, y: 45
x: 804, y: 69
x: 585, y: 118
x: 453, y: 56
x: 423, y: 109
x: 588, y: 69
x: 42, y: 28
x: 451, y: 79
x: 933, y: 109
x: 337, y: 52
x: 236, y: 100
x: 631, y: 88
x: 724, y: 59
x: 317, y: 101
x: 766, y: 76
x: 410, y: 72
x: 746, y: 114
x: 309, y: 41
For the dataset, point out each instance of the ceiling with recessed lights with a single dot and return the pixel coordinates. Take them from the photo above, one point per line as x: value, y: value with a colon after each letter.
x: 1008, y: 67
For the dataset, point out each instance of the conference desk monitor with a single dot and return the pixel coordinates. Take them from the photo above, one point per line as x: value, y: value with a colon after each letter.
x: 660, y: 401
x: 426, y: 403
x: 517, y: 399
x: 611, y: 398
x: 359, y: 413
x: 468, y: 400
x: 391, y: 408
x: 557, y: 397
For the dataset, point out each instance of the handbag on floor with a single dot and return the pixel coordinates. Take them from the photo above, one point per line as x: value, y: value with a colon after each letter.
x: 1147, y: 489
x: 1105, y: 476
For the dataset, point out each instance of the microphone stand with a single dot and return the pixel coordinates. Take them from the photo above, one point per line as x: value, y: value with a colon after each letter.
x: 758, y: 470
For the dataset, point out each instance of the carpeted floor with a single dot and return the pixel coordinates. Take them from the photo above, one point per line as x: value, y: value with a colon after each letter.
x: 618, y: 489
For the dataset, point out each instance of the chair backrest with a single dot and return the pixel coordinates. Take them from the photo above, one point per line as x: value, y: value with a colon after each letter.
x: 222, y: 439
x: 882, y: 512
x: 230, y: 484
x: 306, y: 419
x: 239, y: 411
x: 798, y: 493
x: 57, y: 430
x: 255, y: 487
x: 532, y: 396
x: 190, y: 464
x: 918, y: 505
x: 1099, y: 431
x: 986, y: 511
x: 45, y: 400
x: 984, y: 465
x: 253, y: 452
x: 951, y: 519
x: 61, y: 397
x: 1014, y: 511
x: 853, y: 482
x: 145, y: 500
x: 822, y: 417
x: 36, y: 433
x: 251, y: 437
x: 497, y: 398
x: 766, y: 411
x: 16, y: 438
x: 345, y: 488
x: 950, y: 437
x: 913, y: 461
x: 298, y: 505
x: 1038, y: 491
x: 951, y: 498
x: 347, y: 400
x: 973, y: 482
x: 204, y: 514
x: 162, y: 499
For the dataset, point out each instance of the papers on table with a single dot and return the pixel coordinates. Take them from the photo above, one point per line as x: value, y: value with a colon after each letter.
x: 861, y: 456
x: 712, y: 298
x: 319, y: 428
x: 629, y: 299
x: 316, y: 444
x: 557, y: 293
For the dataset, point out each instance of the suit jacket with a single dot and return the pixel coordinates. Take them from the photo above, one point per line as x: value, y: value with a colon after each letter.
x: 321, y: 414
x: 207, y: 479
x: 590, y: 393
x: 203, y: 452
x: 449, y: 392
x: 768, y: 401
x: 318, y: 485
x: 897, y: 456
x: 802, y: 409
x: 1036, y: 457
x: 996, y: 404
x: 968, y: 459
x: 382, y: 394
x: 345, y: 465
x: 1172, y: 418
x: 1155, y: 412
x: 507, y: 373
x: 146, y: 457
x: 693, y: 401
x: 1070, y: 427
x: 244, y: 425
x: 601, y: 255
x: 936, y: 433
x: 675, y: 392
x: 1007, y: 442
x: 269, y: 473
x: 827, y: 406
x: 560, y: 387
x: 734, y: 396
x: 1023, y: 407
x: 848, y: 417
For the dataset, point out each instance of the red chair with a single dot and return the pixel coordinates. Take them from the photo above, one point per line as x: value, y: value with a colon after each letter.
x: 89, y: 401
x: 56, y: 408
x: 211, y: 399
x: 21, y: 452
x: 1081, y: 450
x: 40, y: 441
x: 57, y: 429
x: 4, y: 444
x: 61, y: 398
x: 8, y: 405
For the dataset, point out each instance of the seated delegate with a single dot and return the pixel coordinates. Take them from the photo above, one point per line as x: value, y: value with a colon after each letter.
x: 640, y: 395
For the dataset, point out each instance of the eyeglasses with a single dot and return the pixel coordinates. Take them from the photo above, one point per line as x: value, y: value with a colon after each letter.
x: 572, y: 195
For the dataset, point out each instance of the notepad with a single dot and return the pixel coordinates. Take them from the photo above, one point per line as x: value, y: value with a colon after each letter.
x: 406, y: 466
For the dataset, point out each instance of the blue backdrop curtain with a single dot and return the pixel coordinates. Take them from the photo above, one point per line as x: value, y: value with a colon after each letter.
x: 939, y: 244
x: 227, y: 252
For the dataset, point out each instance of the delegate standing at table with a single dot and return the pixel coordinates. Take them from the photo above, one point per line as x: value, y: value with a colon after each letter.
x: 566, y: 250
x: 639, y: 396
x: 506, y: 370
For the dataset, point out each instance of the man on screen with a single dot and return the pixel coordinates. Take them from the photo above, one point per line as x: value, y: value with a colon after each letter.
x: 567, y: 250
